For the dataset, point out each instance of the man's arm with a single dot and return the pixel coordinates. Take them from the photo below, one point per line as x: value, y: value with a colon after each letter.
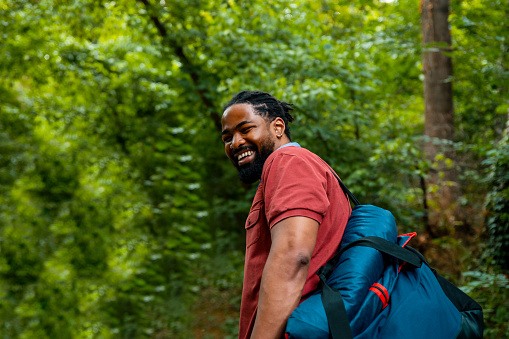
x: 284, y: 275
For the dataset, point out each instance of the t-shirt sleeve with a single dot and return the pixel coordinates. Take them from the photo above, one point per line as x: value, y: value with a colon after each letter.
x: 294, y: 186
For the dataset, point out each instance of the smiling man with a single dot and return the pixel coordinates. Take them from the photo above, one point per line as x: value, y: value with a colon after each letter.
x: 297, y: 218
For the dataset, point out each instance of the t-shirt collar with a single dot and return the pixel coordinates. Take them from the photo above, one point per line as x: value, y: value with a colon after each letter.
x: 290, y: 144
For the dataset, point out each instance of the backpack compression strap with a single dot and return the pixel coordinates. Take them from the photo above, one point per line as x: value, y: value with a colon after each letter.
x: 412, y: 257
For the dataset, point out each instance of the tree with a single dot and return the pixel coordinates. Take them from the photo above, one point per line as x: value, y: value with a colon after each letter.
x: 442, y: 183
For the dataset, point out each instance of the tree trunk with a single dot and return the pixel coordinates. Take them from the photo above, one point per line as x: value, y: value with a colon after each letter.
x: 441, y: 183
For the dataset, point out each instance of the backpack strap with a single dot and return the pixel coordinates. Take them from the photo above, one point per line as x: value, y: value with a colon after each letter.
x: 345, y: 189
x: 339, y: 324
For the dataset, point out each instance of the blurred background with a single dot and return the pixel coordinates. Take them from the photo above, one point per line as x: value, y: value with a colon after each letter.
x: 120, y: 215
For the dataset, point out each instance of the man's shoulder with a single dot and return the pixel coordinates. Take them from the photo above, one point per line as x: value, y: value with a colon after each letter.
x: 295, y: 155
x: 295, y: 150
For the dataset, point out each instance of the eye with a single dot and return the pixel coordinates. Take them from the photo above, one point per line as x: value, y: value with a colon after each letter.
x: 227, y: 139
x: 246, y: 129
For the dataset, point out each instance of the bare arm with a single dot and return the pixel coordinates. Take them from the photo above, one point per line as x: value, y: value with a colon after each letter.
x: 284, y: 275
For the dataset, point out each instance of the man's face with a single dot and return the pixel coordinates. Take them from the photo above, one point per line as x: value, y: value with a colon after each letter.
x: 248, y: 140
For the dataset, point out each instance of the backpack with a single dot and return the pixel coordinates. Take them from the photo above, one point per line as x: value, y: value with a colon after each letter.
x: 377, y: 286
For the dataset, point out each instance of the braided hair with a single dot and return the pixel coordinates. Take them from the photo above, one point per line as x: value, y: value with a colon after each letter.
x: 265, y: 105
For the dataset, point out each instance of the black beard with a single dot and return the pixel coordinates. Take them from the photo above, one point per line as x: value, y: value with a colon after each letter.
x: 252, y: 171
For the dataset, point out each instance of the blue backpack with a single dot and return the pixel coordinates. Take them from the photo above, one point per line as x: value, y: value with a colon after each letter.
x: 378, y: 287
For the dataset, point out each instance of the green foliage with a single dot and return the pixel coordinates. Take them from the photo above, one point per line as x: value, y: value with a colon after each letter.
x: 491, y: 290
x: 497, y: 222
x: 117, y: 203
x: 480, y: 39
x: 101, y: 219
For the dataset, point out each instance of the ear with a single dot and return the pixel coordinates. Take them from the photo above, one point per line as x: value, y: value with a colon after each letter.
x: 278, y: 126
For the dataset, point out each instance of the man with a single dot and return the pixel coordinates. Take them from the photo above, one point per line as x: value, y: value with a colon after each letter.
x: 297, y: 218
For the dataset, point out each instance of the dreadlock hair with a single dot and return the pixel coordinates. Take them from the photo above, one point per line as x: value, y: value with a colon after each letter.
x: 265, y: 105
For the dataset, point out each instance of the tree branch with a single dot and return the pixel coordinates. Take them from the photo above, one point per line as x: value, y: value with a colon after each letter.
x: 192, y: 70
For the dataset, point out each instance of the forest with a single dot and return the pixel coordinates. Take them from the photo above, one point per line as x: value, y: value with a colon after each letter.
x: 121, y: 216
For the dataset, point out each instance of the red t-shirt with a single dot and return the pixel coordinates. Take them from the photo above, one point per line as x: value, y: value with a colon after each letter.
x: 295, y: 182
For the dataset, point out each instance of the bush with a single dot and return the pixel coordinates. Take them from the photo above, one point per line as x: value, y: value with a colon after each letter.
x: 497, y: 205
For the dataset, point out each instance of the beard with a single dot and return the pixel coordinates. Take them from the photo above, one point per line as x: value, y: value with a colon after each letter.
x: 252, y: 171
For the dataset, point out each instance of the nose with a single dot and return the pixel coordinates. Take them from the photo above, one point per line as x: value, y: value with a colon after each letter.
x: 237, y: 141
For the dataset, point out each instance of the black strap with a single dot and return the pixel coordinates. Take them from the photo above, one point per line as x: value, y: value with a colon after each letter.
x: 332, y: 301
x: 413, y: 258
x: 343, y: 187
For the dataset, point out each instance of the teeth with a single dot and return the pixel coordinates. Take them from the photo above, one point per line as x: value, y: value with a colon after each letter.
x: 245, y: 154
